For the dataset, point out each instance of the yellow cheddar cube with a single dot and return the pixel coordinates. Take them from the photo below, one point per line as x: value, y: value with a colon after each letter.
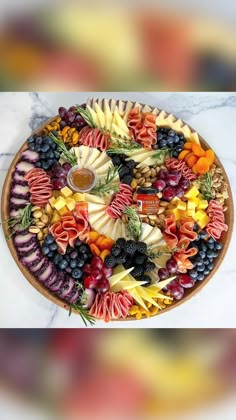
x: 200, y: 214
x: 202, y: 223
x: 195, y: 200
x: 176, y: 213
x: 56, y: 217
x: 191, y: 205
x: 59, y: 203
x: 63, y: 211
x: 181, y: 205
x: 78, y: 197
x: 52, y: 201
x: 203, y: 204
x: 70, y: 204
x: 175, y: 201
x: 66, y: 192
x: 192, y: 192
x: 191, y: 213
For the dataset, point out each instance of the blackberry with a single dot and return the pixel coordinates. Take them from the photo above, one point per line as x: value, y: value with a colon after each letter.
x: 128, y: 264
x: 121, y: 242
x: 115, y: 250
x: 127, y: 179
x: 110, y: 261
x: 124, y: 171
x: 121, y: 259
x: 149, y: 266
x: 137, y: 271
x: 130, y: 247
x: 146, y: 278
x: 140, y: 258
x: 131, y: 164
x: 141, y: 247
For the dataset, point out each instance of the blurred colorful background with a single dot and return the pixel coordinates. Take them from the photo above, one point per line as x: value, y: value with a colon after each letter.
x: 126, y: 374
x: 59, y: 46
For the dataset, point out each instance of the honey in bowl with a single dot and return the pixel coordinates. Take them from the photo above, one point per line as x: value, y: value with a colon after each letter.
x: 81, y: 179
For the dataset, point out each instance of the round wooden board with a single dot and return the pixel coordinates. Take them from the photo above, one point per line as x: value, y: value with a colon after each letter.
x: 225, y: 239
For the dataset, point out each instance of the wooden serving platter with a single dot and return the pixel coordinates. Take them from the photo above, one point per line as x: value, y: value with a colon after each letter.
x: 225, y: 239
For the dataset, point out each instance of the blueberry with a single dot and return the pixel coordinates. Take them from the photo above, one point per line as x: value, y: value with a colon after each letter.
x: 210, y: 260
x: 211, y: 240
x: 50, y: 162
x: 198, y: 259
x: 215, y: 254
x: 53, y: 146
x: 162, y: 144
x: 160, y: 137
x: 218, y: 246
x: 74, y: 255
x: 200, y: 277
x: 170, y: 141
x: 67, y: 258
x: 206, y: 272
x: 181, y: 136
x: 80, y: 262
x: 195, y: 227
x: 63, y: 264
x: 31, y: 146
x: 37, y: 148
x: 210, y: 254
x: 179, y: 149
x: 201, y: 268
x: 45, y: 148
x: 77, y: 273
x: 49, y: 239
x: 45, y: 250
x: 203, y: 246
x: 176, y: 139
x: 73, y: 263
x: 202, y: 254
x: 210, y: 246
x: 171, y: 133
x: 210, y: 266
x: 203, y: 234
x: 193, y: 274
x: 30, y: 140
x: 57, y: 259
x: 175, y: 154
x: 53, y: 246
x: 78, y: 242
x: 83, y: 249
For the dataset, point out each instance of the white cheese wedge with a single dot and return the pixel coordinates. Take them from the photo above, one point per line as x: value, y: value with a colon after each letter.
x: 146, y: 231
x: 154, y: 237
x: 95, y: 207
x: 85, y: 152
x: 93, y: 156
x: 90, y: 198
x: 100, y: 223
x: 116, y: 278
x: 126, y: 285
x: 101, y: 115
x: 104, y: 168
x: 120, y: 122
x: 105, y: 230
x: 123, y: 231
x: 159, y: 285
x: 95, y: 216
x: 94, y: 115
x: 113, y: 232
x: 101, y: 160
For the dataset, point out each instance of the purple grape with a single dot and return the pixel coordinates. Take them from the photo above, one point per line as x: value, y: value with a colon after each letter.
x: 163, y: 273
x: 172, y: 266
x: 185, y: 184
x: 62, y: 112
x: 179, y: 192
x: 163, y: 173
x: 70, y: 117
x: 72, y: 109
x: 66, y: 166
x: 79, y: 121
x: 58, y: 184
x: 176, y: 290
x: 186, y: 281
x: 168, y: 193
x: 159, y: 185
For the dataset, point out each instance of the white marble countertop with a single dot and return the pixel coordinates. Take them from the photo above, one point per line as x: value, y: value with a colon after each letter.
x: 213, y: 115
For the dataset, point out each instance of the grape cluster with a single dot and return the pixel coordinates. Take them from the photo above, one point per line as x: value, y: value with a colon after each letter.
x: 97, y: 275
x: 131, y: 254
x: 126, y: 167
x: 177, y: 286
x: 208, y: 250
x: 47, y: 150
x: 71, y: 117
x: 171, y: 183
x: 58, y: 174
x: 171, y: 139
x: 73, y: 261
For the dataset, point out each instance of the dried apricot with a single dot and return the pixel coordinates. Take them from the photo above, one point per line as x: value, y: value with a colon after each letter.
x: 198, y: 150
x: 106, y: 243
x: 99, y: 240
x: 183, y: 154
x: 210, y: 155
x: 188, y: 145
x: 93, y: 236
x: 95, y: 250
x: 191, y: 160
x: 104, y: 254
x: 202, y: 165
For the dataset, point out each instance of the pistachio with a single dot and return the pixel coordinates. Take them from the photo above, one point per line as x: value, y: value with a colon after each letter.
x: 141, y: 182
x: 34, y: 229
x: 147, y: 184
x: 44, y: 218
x: 148, y: 174
x: 40, y: 235
x: 153, y: 172
x: 40, y: 224
x: 144, y: 170
x: 35, y: 208
x: 37, y: 214
x: 138, y: 175
x: 161, y: 210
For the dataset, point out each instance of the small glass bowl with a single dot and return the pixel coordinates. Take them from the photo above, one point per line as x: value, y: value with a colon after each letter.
x: 75, y: 187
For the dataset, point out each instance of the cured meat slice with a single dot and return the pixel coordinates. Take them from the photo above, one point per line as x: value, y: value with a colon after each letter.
x: 142, y: 127
x: 40, y: 186
x: 111, y: 305
x: 122, y: 199
x: 182, y: 167
x: 217, y: 224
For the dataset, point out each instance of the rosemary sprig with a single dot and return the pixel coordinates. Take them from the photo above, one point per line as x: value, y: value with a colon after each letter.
x: 86, y: 114
x: 24, y: 219
x: 160, y: 154
x: 83, y: 312
x: 65, y: 153
x: 134, y: 226
x: 152, y: 255
x: 119, y: 147
x: 206, y: 186
x: 106, y: 186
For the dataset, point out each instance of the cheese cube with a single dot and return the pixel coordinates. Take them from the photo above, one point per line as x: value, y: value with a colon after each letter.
x: 63, y: 211
x: 59, y: 203
x: 202, y: 223
x: 66, y: 192
x: 195, y: 200
x: 203, y: 204
x: 181, y: 205
x: 200, y: 214
x: 191, y: 213
x: 78, y: 197
x: 70, y: 204
x: 56, y: 217
x: 191, y: 205
x: 52, y: 201
x: 175, y: 201
x: 176, y: 213
x: 192, y: 192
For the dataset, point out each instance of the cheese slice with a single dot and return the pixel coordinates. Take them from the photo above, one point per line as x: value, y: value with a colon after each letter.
x: 159, y: 286
x: 144, y: 295
x: 84, y: 154
x: 93, y: 115
x: 95, y: 153
x: 106, y: 229
x: 108, y: 114
x: 100, y: 223
x: 146, y: 231
x: 90, y: 198
x: 126, y: 285
x: 116, y: 278
x: 94, y: 217
x: 154, y: 237
x: 95, y: 207
x: 120, y: 122
x: 134, y: 293
x: 101, y: 115
x: 104, y: 168
x: 101, y: 160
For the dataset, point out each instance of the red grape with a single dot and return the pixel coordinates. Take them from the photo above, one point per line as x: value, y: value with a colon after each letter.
x: 185, y: 184
x: 172, y: 266
x: 79, y: 121
x: 107, y: 271
x: 62, y: 112
x: 58, y: 184
x: 163, y: 173
x: 163, y: 273
x: 159, y: 185
x: 70, y: 117
x: 173, y: 178
x: 97, y: 274
x: 168, y: 193
x: 103, y: 285
x: 87, y: 269
x: 72, y: 109
x: 66, y: 166
x: 176, y: 290
x: 186, y: 281
x: 97, y: 263
x: 90, y: 282
x: 179, y: 192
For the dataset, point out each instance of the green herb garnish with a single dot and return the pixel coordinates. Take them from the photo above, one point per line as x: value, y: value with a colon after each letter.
x: 206, y: 186
x: 83, y: 312
x: 24, y: 219
x: 87, y: 116
x: 152, y: 255
x: 66, y: 154
x: 134, y: 226
x: 104, y: 187
x: 119, y: 147
x: 160, y: 154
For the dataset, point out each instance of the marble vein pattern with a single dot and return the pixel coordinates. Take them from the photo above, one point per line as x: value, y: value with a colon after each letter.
x: 213, y: 115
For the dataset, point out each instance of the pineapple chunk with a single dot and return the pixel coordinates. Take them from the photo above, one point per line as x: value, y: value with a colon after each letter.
x: 55, y: 218
x: 63, y: 211
x: 66, y: 192
x: 70, y: 204
x: 203, y: 204
x: 78, y: 197
x: 59, y: 203
x: 192, y: 192
x: 202, y: 223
